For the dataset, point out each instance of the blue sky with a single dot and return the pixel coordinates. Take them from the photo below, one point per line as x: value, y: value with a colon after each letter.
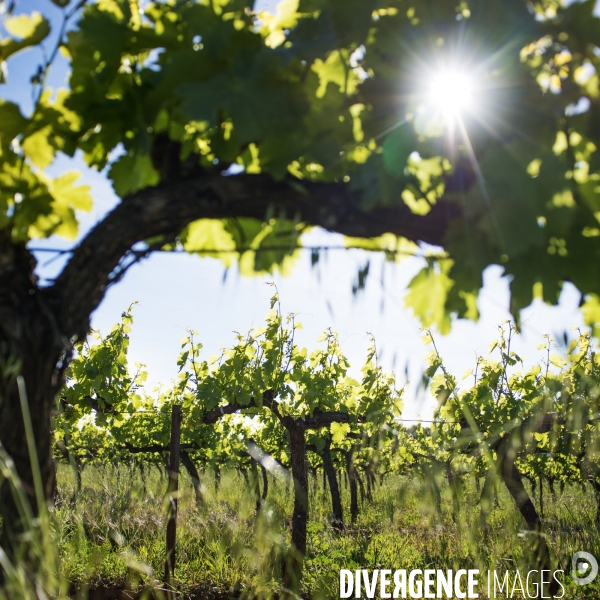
x: 177, y: 291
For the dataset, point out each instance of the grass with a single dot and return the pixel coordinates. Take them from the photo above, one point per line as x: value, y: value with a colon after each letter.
x: 113, y: 530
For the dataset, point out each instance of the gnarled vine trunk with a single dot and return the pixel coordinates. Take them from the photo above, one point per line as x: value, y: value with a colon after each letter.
x: 336, y: 502
x: 265, y: 478
x: 255, y: 486
x: 33, y: 351
x: 351, y: 471
x: 293, y: 565
x: 514, y: 483
x: 596, y: 487
x: 190, y: 467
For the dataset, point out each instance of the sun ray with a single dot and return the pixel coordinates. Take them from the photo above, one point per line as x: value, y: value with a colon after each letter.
x: 480, y: 179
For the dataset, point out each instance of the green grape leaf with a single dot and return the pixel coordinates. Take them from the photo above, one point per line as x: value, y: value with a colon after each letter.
x: 427, y: 295
x: 132, y: 173
x: 12, y: 122
x: 38, y: 149
x: 68, y: 198
x: 591, y: 313
x: 208, y: 235
x: 339, y: 431
x: 31, y: 29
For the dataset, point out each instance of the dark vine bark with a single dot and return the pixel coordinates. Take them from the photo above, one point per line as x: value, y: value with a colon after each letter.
x: 143, y: 479
x: 507, y: 452
x: 351, y: 472
x: 361, y: 488
x: 452, y: 484
x: 336, y: 501
x: 265, y: 478
x: 292, y: 572
x: 217, y: 471
x: 596, y: 487
x: 369, y: 479
x: 33, y: 350
x: 255, y: 486
x: 190, y: 467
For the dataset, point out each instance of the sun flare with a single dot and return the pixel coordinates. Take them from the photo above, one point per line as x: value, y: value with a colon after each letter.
x: 451, y: 93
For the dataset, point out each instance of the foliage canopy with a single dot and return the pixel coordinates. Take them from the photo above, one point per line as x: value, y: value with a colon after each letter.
x: 317, y: 115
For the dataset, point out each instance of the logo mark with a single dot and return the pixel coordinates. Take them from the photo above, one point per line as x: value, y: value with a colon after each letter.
x: 582, y: 563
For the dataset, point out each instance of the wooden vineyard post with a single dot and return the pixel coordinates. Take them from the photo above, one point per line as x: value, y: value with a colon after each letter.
x: 172, y: 495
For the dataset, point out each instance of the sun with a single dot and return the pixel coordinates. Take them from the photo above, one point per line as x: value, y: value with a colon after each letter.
x: 451, y: 93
